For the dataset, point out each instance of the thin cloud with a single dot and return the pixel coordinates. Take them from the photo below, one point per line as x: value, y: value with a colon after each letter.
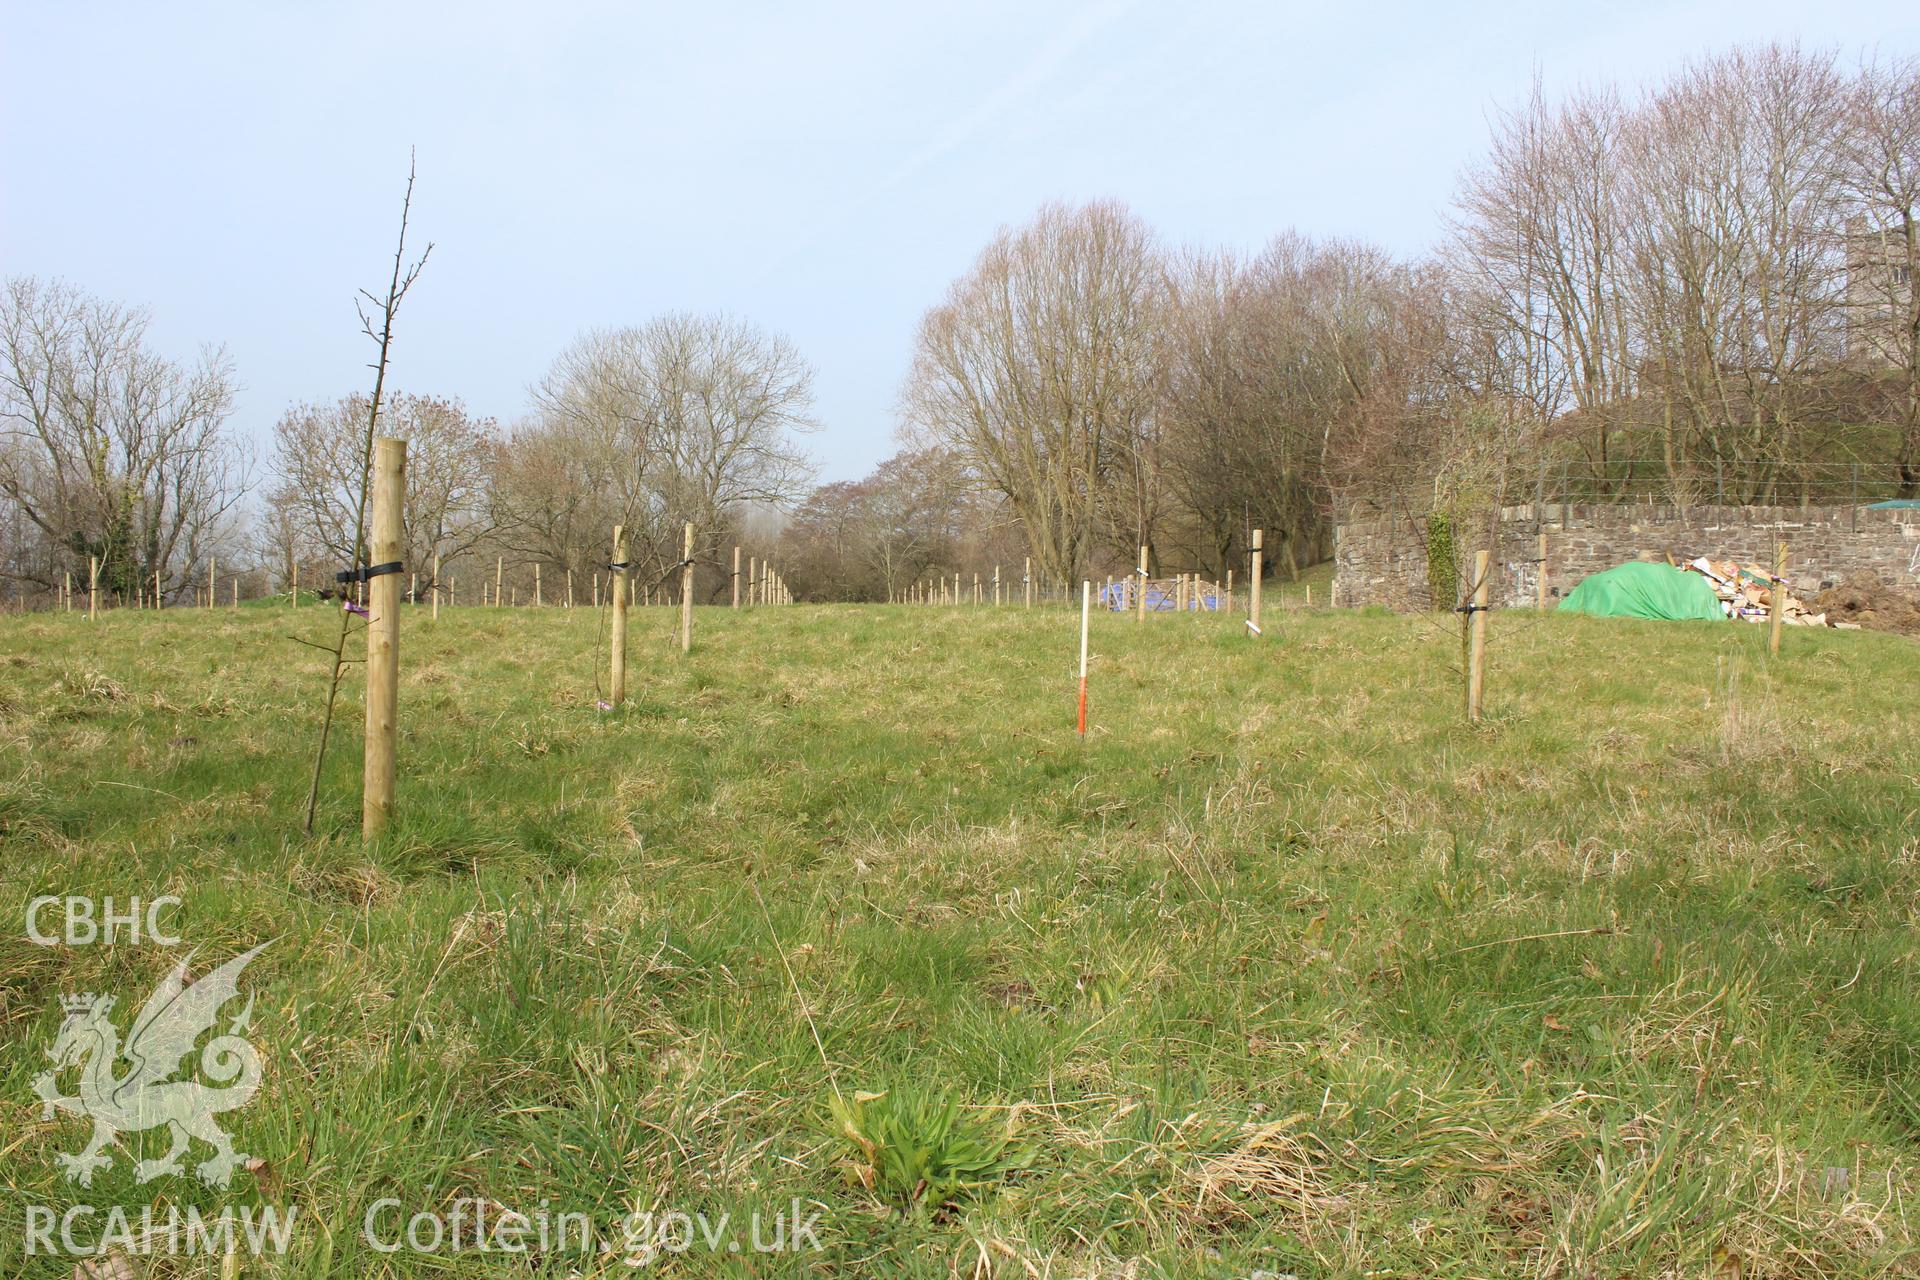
x: 1032, y: 76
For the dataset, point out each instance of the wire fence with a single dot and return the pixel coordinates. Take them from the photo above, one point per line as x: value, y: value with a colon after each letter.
x: 1733, y: 482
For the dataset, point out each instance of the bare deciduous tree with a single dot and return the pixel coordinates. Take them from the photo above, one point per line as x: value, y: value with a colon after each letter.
x: 1880, y: 171
x: 111, y: 450
x: 1041, y: 369
x: 1541, y: 242
x: 869, y: 539
x: 685, y: 418
x: 449, y: 454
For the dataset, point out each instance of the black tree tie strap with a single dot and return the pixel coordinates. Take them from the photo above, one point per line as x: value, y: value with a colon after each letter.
x: 368, y: 572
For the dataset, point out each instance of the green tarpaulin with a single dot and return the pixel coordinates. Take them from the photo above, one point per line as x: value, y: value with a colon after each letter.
x: 1645, y: 591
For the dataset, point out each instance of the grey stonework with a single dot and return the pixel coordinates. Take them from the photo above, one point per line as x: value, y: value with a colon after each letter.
x: 1383, y: 561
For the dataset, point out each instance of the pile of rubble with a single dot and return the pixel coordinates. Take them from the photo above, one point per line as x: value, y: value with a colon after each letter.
x: 1748, y: 592
x: 1863, y: 600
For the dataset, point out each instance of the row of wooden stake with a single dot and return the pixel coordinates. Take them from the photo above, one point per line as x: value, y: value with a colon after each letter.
x: 763, y: 586
x: 383, y: 599
x: 140, y: 598
x: 1191, y: 591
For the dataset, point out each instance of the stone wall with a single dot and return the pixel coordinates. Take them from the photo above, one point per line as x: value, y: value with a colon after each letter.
x: 1383, y: 561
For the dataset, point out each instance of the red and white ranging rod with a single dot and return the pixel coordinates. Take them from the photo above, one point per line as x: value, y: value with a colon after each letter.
x: 1086, y: 607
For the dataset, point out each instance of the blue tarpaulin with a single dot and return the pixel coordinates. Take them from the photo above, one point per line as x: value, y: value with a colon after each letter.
x: 1118, y: 598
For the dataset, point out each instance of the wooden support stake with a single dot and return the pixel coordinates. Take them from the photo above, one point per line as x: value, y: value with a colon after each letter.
x: 383, y: 637
x: 1477, y: 632
x: 1540, y: 578
x: 212, y: 563
x: 236, y: 593
x: 1086, y: 611
x: 93, y: 587
x: 156, y: 588
x: 536, y: 584
x: 686, y: 591
x: 617, y: 587
x: 736, y: 577
x: 499, y: 579
x: 435, y: 586
x: 1140, y: 605
x: 1777, y: 598
x: 1026, y: 580
x: 1255, y: 571
x: 1229, y: 603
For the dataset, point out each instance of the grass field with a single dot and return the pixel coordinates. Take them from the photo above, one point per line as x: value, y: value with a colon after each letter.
x: 1285, y: 970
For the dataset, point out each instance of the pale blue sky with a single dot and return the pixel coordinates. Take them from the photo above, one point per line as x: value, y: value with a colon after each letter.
x: 823, y: 169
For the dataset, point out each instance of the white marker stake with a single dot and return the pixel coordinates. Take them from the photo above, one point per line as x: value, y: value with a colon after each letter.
x: 1086, y: 609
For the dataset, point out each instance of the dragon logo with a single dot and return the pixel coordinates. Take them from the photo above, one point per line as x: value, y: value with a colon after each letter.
x: 174, y: 1017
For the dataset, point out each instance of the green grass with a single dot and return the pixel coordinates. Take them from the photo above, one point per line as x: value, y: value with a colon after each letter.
x: 1285, y: 969
x: 1287, y: 592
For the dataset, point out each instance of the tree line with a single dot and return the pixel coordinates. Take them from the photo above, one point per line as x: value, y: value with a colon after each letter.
x: 1703, y: 291
x: 116, y: 454
x: 1699, y: 291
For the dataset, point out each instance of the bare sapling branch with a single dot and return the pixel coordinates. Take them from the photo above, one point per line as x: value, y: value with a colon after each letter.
x: 401, y: 281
